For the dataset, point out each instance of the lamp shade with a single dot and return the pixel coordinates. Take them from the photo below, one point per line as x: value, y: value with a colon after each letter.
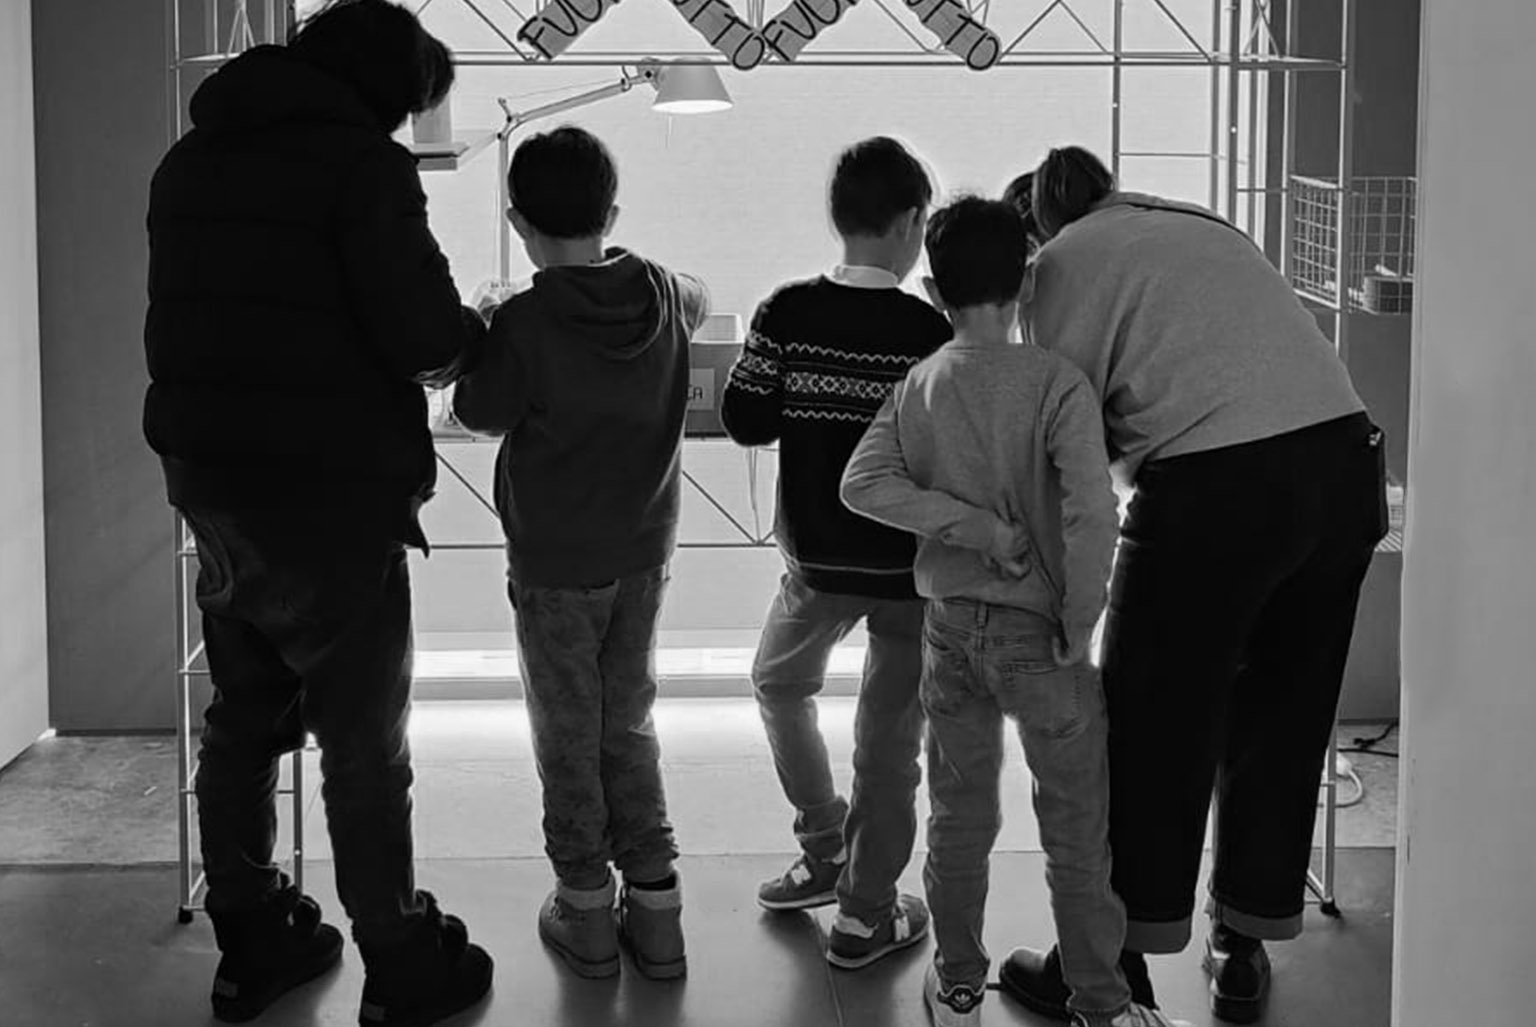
x: 690, y: 89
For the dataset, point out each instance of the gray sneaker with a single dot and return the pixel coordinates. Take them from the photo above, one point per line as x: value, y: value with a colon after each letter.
x: 579, y: 926
x: 853, y: 944
x: 809, y: 883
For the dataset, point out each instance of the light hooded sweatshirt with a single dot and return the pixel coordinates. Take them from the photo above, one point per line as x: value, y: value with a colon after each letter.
x: 1188, y: 332
x: 981, y: 437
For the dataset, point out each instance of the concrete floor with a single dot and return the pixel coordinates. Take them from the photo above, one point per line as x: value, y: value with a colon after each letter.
x: 88, y: 891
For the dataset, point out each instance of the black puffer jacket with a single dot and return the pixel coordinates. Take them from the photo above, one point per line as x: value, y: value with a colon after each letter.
x: 298, y: 302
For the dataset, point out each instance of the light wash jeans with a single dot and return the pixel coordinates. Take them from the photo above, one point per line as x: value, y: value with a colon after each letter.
x: 980, y: 664
x: 880, y: 824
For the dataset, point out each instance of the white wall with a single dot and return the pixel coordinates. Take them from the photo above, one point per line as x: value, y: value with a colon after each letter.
x: 23, y: 611
x: 1466, y: 899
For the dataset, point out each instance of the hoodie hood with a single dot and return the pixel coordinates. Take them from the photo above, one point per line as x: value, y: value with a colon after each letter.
x: 614, y: 307
x: 266, y: 86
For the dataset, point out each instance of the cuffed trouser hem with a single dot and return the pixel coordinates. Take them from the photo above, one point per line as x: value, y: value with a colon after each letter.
x: 1264, y: 928
x: 1157, y: 937
x: 1097, y: 1017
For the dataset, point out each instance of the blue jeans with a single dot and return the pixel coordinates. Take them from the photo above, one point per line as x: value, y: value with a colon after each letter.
x: 589, y: 677
x: 880, y: 824
x: 982, y: 663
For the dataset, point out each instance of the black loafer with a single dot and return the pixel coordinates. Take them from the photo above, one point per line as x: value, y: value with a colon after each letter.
x: 1034, y: 979
x: 1239, y: 981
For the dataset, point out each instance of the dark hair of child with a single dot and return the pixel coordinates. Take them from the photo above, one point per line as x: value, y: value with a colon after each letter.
x: 381, y: 50
x: 874, y: 183
x: 564, y: 183
x: 977, y: 251
x: 1067, y: 185
x: 1020, y: 195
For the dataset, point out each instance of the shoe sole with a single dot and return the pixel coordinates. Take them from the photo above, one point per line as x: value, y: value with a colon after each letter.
x: 1234, y: 1010
x: 1024, y: 998
x: 586, y: 968
x: 827, y: 898
x: 860, y: 962
x: 244, y: 1011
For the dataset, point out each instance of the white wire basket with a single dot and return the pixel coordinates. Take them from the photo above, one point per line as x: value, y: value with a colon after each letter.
x: 1381, y: 243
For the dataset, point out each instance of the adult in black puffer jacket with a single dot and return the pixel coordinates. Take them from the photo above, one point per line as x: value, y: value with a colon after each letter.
x: 298, y: 304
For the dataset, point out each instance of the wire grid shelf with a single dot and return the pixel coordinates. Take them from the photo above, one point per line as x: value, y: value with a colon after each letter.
x: 1380, y: 244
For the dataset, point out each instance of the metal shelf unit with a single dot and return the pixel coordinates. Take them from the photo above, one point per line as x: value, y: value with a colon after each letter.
x: 1246, y: 46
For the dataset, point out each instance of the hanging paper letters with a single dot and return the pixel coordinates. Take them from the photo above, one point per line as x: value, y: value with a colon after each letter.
x: 560, y: 23
x: 796, y: 26
x: 962, y: 35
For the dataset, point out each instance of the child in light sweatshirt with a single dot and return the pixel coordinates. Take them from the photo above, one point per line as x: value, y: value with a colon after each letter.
x: 993, y: 453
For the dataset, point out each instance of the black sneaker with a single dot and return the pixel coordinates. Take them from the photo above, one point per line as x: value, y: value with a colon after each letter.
x: 432, y: 975
x: 808, y: 883
x: 1034, y: 980
x: 853, y: 945
x: 269, y: 951
x: 1239, y: 969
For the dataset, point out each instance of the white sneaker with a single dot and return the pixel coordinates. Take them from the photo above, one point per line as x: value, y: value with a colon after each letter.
x: 957, y: 1005
x: 1135, y: 1016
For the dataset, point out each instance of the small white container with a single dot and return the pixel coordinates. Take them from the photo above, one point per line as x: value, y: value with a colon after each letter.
x: 433, y: 127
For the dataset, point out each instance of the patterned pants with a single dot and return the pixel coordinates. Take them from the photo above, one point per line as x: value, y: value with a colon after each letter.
x: 588, y: 659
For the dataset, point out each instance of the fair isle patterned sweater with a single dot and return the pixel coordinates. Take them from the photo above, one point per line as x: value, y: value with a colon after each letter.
x: 820, y: 360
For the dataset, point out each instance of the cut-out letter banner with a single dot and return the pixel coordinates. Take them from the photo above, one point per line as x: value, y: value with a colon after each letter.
x: 561, y: 23
x: 783, y: 36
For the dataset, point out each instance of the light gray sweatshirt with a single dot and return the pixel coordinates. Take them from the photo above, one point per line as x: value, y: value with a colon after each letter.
x: 1191, y: 336
x: 980, y: 437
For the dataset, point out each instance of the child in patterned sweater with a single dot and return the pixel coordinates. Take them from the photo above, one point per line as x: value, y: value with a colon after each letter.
x: 821, y: 358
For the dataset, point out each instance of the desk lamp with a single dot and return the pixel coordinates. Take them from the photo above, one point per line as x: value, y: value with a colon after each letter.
x: 680, y: 89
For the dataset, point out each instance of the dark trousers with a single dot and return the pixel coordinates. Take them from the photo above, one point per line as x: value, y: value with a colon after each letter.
x: 307, y: 624
x: 1230, y: 618
x: 879, y: 824
x: 589, y: 676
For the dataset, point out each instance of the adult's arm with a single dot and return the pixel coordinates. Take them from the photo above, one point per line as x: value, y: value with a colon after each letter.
x: 396, y: 278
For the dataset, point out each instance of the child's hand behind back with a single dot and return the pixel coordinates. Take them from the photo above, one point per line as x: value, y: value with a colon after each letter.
x: 1010, y: 551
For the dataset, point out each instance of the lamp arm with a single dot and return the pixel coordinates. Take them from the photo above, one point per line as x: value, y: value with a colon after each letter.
x: 645, y: 72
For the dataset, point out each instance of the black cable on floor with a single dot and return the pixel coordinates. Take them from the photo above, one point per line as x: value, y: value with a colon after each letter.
x: 1367, y: 745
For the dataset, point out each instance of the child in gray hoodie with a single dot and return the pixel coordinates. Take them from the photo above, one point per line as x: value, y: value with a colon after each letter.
x: 993, y: 453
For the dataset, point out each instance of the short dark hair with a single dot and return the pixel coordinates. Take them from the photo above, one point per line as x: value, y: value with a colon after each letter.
x: 874, y: 183
x: 563, y: 182
x: 1020, y: 195
x: 977, y: 251
x: 380, y: 49
x: 1068, y: 183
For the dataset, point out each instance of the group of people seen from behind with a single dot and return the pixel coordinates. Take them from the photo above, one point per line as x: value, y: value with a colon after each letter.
x: 947, y: 473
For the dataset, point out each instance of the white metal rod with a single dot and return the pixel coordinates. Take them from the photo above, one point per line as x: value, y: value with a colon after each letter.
x: 1344, y: 255
x: 1234, y: 91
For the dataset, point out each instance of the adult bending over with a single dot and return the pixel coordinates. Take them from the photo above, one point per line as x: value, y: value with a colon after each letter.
x: 1259, y: 500
x: 298, y: 302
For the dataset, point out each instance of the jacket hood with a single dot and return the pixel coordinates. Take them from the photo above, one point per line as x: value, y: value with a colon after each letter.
x: 615, y: 306
x: 266, y: 86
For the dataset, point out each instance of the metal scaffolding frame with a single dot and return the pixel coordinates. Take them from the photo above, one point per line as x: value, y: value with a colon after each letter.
x: 1250, y: 55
